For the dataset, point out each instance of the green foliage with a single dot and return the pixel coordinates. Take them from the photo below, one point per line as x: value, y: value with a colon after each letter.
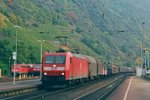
x: 4, y: 69
x: 92, y: 26
x: 97, y: 47
x: 2, y: 21
x: 78, y: 29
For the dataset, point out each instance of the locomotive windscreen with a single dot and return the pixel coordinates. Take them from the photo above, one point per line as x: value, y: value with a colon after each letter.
x: 55, y: 59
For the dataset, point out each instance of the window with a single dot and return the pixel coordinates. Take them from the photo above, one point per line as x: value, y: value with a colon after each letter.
x: 55, y: 59
x: 26, y: 66
x: 60, y: 59
x: 71, y: 60
x: 36, y: 66
x: 49, y: 59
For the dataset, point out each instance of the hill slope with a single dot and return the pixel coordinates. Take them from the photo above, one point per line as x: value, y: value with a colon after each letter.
x: 111, y: 30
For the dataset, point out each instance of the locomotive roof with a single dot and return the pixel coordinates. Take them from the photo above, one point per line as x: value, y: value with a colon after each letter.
x: 91, y: 59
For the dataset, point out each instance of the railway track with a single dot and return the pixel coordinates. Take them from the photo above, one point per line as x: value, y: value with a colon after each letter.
x: 103, y: 92
x: 82, y: 91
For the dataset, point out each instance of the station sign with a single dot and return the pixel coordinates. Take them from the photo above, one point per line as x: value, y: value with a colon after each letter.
x: 14, y: 55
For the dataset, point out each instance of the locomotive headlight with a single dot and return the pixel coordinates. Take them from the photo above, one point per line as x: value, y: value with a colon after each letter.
x: 62, y: 73
x: 45, y: 73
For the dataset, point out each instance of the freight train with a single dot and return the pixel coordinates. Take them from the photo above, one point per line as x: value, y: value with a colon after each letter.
x: 66, y: 68
x: 28, y: 69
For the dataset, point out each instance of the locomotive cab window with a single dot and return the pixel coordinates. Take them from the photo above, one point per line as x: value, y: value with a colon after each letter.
x: 49, y: 59
x: 60, y: 59
x: 55, y: 59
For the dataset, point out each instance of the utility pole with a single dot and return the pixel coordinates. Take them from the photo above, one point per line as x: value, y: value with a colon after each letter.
x: 142, y: 56
x: 15, y: 56
x: 41, y: 43
x: 148, y: 58
x: 142, y: 53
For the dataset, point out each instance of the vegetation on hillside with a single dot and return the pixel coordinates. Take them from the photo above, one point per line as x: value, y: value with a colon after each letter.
x: 110, y: 30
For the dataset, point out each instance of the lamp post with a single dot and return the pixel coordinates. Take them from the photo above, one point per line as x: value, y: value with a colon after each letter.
x: 148, y: 58
x: 143, y: 57
x: 15, y: 56
x: 142, y: 53
x: 41, y: 43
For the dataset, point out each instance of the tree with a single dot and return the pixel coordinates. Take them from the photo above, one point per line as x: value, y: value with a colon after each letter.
x: 2, y: 21
x: 9, y: 2
x: 137, y: 61
x: 13, y: 18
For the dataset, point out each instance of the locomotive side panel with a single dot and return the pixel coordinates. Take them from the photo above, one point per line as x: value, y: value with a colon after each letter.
x: 79, y: 68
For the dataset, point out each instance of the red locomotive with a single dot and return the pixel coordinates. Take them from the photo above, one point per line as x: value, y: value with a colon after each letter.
x: 28, y: 69
x: 21, y: 69
x: 67, y: 68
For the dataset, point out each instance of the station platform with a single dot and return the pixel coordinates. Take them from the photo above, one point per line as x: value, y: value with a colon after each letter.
x: 133, y: 88
x: 5, y: 86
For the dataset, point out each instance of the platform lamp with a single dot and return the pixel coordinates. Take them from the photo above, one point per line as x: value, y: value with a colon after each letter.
x: 15, y: 55
x: 41, y: 42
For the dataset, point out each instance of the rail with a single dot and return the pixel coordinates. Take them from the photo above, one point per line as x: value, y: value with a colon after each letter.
x: 103, y: 92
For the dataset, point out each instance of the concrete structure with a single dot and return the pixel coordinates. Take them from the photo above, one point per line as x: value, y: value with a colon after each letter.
x: 138, y: 71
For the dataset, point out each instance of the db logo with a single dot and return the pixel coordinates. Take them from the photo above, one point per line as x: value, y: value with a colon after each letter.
x: 54, y: 68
